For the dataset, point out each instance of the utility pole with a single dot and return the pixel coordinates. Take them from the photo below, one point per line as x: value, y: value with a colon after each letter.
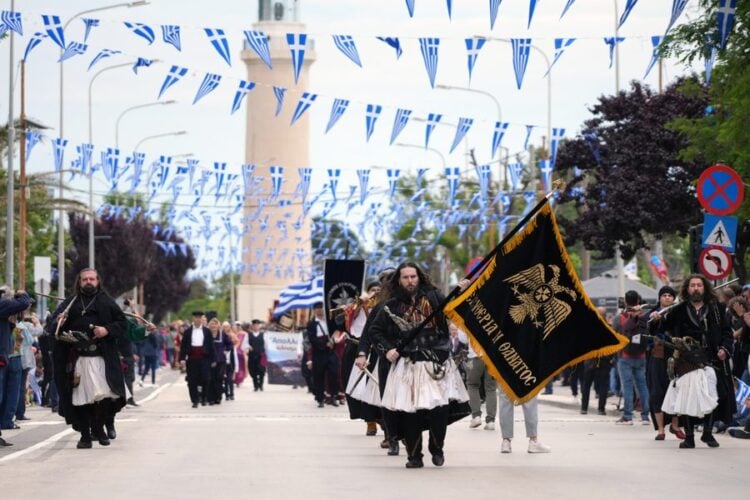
x: 10, y: 214
x: 22, y: 182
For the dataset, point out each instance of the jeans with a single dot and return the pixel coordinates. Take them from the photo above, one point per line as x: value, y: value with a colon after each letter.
x: 530, y: 416
x: 633, y: 371
x: 22, y: 385
x: 9, y: 402
x: 477, y: 371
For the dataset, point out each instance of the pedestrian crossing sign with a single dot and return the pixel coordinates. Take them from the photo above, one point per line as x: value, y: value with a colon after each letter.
x: 719, y: 231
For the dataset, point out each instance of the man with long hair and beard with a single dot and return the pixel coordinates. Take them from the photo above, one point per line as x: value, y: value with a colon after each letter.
x: 703, y: 387
x: 424, y: 386
x: 87, y: 366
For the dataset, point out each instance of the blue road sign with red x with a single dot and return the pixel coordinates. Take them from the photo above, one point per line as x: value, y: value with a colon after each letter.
x: 720, y: 190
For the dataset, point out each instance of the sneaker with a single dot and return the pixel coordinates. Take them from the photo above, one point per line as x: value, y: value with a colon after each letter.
x: 536, y: 447
x: 489, y: 426
x: 475, y: 422
x: 505, y: 447
x: 624, y: 421
x: 645, y: 421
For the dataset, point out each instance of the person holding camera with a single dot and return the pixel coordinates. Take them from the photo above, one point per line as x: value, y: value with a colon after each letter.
x: 632, y: 362
x: 10, y: 365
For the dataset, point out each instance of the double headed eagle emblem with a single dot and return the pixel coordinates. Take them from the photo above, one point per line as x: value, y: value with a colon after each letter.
x: 538, y: 297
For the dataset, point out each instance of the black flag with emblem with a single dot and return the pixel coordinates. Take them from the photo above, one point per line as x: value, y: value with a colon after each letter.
x: 527, y: 313
x: 342, y: 285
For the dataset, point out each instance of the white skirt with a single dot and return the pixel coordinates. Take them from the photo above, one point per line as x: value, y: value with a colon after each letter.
x: 367, y: 389
x: 693, y: 394
x: 410, y: 387
x: 93, y: 386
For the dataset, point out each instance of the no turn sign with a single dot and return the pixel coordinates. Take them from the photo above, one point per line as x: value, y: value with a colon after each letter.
x: 715, y: 263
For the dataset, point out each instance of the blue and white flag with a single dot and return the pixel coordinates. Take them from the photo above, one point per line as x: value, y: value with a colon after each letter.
x: 279, y: 93
x: 560, y: 45
x: 88, y: 23
x: 32, y: 139
x: 432, y: 120
x: 568, y: 5
x: 410, y: 7
x: 484, y: 172
x: 557, y: 136
x: 220, y: 169
x: 170, y: 33
x: 521, y: 50
x: 297, y: 45
x: 363, y: 175
x: 209, y: 84
x: 242, y: 90
x: 420, y: 175
x: 277, y: 179
x: 258, y: 41
x: 532, y: 8
x: 247, y: 170
x: 464, y: 124
x: 612, y: 42
x: 73, y: 49
x: 530, y: 198
x: 304, y: 103
x: 300, y: 296
x: 219, y: 41
x: 743, y: 392
x: 393, y: 42
x: 333, y: 180
x: 629, y: 4
x: 345, y: 43
x: 497, y: 136
x: 36, y: 39
x: 141, y: 63
x: 515, y: 170
x: 173, y: 76
x: 402, y: 118
x: 449, y: 6
x: 54, y: 29
x: 84, y: 154
x: 104, y: 53
x: 725, y: 17
x: 338, y: 108
x: 12, y: 21
x: 111, y: 167
x: 371, y: 117
x: 429, y: 48
x: 677, y: 7
x: 711, y: 52
x: 494, y: 7
x: 142, y: 30
x: 393, y: 175
x: 473, y: 46
x: 546, y: 167
x: 58, y: 150
x: 655, y: 42
x: 305, y: 175
x: 452, y: 176
x: 529, y: 129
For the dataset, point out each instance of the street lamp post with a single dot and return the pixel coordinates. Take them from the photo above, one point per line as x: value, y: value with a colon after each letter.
x: 61, y: 222
x: 133, y: 108
x: 9, y: 240
x: 157, y: 136
x: 404, y: 145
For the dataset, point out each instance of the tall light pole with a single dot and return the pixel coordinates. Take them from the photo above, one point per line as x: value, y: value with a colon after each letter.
x: 405, y: 145
x: 61, y: 212
x: 133, y: 108
x: 158, y: 136
x: 10, y: 215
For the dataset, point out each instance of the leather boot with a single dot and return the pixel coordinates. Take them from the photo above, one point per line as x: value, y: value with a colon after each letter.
x: 100, y: 435
x: 393, y: 447
x: 110, y: 426
x: 85, y: 441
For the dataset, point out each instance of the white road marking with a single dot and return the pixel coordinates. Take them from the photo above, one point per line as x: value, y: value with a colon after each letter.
x: 49, y: 440
x: 154, y: 394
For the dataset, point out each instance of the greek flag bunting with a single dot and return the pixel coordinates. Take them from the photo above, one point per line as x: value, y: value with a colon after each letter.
x: 429, y: 47
x: 192, y: 167
x: 12, y: 20
x: 497, y: 136
x: 88, y: 24
x: 393, y: 175
x: 84, y: 154
x: 170, y: 34
x: 173, y: 76
x: 300, y: 296
x: 521, y: 51
x: 612, y: 42
x: 111, y: 167
x: 449, y: 6
x: 532, y: 8
x: 333, y: 180
x: 220, y: 169
x: 546, y: 167
x: 363, y: 175
x: 484, y: 172
x: 420, y: 175
x: 219, y: 41
x: 258, y: 41
x: 297, y: 43
x: 626, y: 12
x: 402, y: 118
x: 247, y: 175
x: 711, y: 53
x: 677, y: 7
x: 393, y: 42
x: 54, y: 29
x: 58, y: 149
x: 473, y: 46
x: 568, y: 5
x: 73, y: 48
x: 494, y: 7
x: 655, y: 42
x: 209, y: 84
x: 279, y: 93
x: 515, y: 169
x: 141, y: 63
x: 305, y: 174
x: 432, y: 120
x: 142, y: 30
x: 557, y: 135
x: 337, y: 109
x: 410, y: 7
x: 345, y: 43
x: 529, y: 129
x: 452, y: 176
x: 529, y: 197
x: 371, y: 116
x: 464, y: 124
x: 560, y: 45
x: 304, y: 103
x: 104, y: 53
x: 32, y: 139
x: 243, y: 89
x: 725, y: 17
x: 138, y: 161
x: 35, y: 40
x: 277, y: 178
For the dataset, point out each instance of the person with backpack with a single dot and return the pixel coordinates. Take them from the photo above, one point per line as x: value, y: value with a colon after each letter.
x: 632, y: 361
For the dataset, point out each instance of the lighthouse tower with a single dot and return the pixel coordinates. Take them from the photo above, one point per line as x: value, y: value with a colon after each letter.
x: 277, y: 248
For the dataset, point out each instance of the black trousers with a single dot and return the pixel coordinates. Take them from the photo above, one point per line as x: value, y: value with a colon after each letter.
x: 257, y: 372
x: 412, y: 425
x: 216, y: 384
x: 197, y: 379
x: 600, y: 378
x: 92, y: 418
x: 325, y: 364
